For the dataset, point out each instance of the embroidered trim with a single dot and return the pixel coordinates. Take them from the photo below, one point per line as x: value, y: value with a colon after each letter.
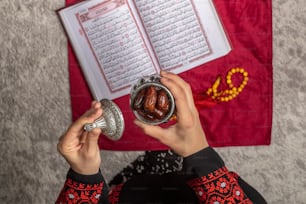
x: 74, y: 192
x: 220, y: 186
x: 113, y: 195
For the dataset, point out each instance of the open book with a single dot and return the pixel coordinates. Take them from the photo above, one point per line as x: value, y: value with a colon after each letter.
x: 119, y: 41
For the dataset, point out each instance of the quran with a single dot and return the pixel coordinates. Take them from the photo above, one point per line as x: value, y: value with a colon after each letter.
x: 119, y: 41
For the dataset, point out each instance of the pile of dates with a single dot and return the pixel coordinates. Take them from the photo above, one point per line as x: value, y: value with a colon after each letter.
x: 152, y: 103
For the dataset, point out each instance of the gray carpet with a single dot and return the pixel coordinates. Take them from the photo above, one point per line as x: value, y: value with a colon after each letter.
x: 35, y: 108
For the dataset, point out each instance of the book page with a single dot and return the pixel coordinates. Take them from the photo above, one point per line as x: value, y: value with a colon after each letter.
x: 119, y: 41
x: 178, y: 35
x: 113, y: 46
x: 174, y: 31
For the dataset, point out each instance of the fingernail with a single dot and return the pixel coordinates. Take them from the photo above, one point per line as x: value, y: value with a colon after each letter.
x: 163, y: 72
x: 137, y: 122
x: 163, y: 79
x: 96, y: 105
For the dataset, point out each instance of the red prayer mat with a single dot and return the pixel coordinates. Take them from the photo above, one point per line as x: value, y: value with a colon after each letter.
x: 246, y: 120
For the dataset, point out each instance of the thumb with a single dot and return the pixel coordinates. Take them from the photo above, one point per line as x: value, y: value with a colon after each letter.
x: 154, y: 131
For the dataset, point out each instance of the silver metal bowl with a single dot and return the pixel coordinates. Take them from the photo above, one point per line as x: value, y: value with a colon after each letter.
x: 153, y: 80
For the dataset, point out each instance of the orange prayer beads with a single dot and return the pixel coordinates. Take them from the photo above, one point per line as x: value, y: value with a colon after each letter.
x: 233, y: 91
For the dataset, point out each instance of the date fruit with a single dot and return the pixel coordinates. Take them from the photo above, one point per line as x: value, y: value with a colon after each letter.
x: 152, y: 103
x: 138, y: 101
x: 159, y: 114
x: 162, y: 101
x: 147, y: 116
x: 150, y: 99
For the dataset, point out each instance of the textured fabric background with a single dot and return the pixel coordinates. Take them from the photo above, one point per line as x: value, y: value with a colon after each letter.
x: 35, y: 108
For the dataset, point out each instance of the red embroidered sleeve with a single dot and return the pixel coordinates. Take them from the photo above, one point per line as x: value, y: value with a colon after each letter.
x: 74, y: 192
x: 114, y: 193
x: 220, y: 186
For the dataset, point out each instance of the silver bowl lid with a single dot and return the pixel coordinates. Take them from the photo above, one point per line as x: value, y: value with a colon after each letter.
x: 111, y: 122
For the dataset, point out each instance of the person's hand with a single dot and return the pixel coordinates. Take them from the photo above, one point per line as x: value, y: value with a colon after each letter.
x: 186, y: 136
x: 80, y: 148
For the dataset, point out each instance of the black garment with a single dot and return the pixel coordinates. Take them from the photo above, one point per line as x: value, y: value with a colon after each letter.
x: 151, y: 162
x: 167, y: 188
x: 171, y: 187
x: 202, y: 177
